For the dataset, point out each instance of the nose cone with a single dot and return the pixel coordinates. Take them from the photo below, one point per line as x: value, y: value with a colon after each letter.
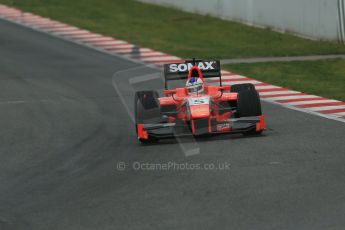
x: 199, y: 111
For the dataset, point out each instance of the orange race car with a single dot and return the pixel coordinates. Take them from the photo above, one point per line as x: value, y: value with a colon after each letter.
x: 197, y: 108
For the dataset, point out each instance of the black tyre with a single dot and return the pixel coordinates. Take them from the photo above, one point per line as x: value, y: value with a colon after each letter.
x: 248, y: 104
x: 241, y: 87
x: 147, y: 110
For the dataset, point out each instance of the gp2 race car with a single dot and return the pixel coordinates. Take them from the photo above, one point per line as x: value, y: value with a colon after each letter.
x: 207, y: 109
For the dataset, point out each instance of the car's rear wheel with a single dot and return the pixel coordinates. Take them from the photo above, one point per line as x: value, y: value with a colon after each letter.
x: 146, y: 111
x: 248, y: 105
x: 242, y: 87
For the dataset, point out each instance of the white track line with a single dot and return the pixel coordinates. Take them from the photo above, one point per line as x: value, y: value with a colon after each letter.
x: 324, y: 108
x: 95, y: 38
x: 109, y: 43
x: 339, y: 114
x: 297, y: 96
x: 267, y: 87
x: 70, y: 32
x: 160, y: 58
x: 61, y: 30
x: 277, y: 92
x: 124, y: 46
x: 47, y: 24
x: 311, y: 102
x: 85, y: 36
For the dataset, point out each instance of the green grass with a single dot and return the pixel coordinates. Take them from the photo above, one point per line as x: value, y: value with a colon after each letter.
x: 173, y: 31
x: 323, y: 78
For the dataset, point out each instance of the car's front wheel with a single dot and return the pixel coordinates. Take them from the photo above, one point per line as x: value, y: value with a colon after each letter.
x: 248, y: 105
x: 146, y: 111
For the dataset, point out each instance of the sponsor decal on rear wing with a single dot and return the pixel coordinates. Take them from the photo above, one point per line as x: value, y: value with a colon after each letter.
x: 176, y: 71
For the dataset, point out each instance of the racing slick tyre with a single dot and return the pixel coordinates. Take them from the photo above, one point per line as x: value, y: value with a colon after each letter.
x: 248, y: 105
x: 146, y: 111
x: 241, y: 87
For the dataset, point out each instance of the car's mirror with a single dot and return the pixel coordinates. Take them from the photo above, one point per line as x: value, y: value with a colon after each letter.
x: 169, y: 91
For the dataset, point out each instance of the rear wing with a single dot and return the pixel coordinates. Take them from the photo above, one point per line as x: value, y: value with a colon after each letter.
x: 179, y: 71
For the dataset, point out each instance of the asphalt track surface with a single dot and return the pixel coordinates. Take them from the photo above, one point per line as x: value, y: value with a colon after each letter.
x: 64, y: 129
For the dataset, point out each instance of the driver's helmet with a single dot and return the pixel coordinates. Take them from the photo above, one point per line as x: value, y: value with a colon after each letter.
x: 195, y: 85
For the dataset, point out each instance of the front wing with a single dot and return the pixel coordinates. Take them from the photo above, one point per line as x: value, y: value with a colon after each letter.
x: 234, y: 125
